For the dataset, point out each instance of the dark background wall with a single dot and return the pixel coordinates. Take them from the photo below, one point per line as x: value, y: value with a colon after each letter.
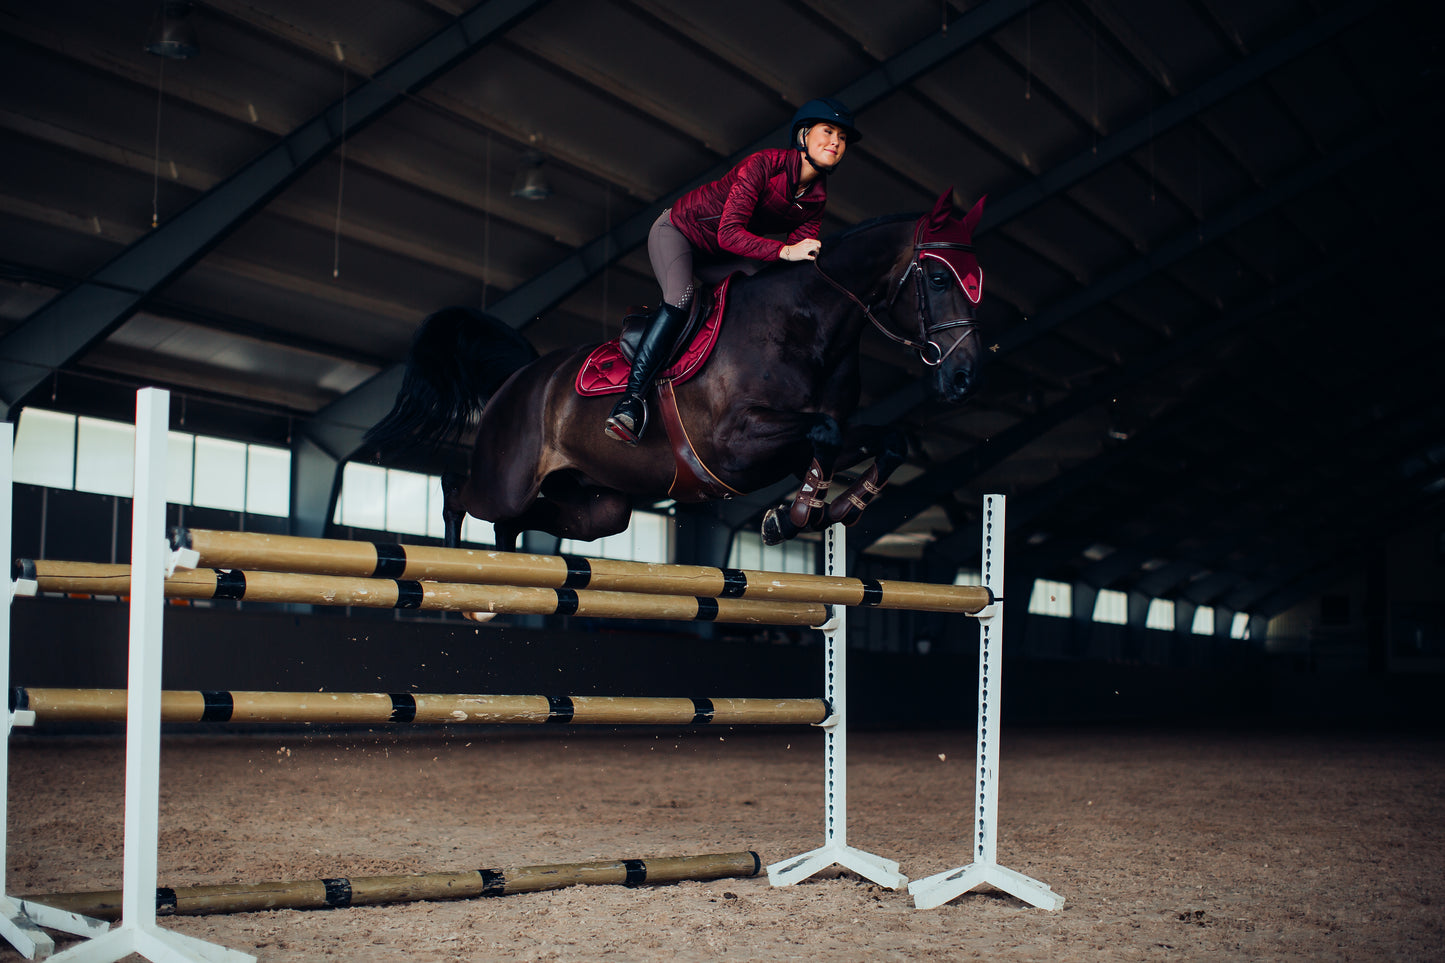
x: 1056, y: 670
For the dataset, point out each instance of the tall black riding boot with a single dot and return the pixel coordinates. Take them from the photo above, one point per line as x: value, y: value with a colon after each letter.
x: 629, y: 415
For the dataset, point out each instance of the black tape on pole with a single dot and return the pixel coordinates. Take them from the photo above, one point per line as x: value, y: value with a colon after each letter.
x: 390, y: 560
x: 165, y: 901
x: 338, y: 892
x: 706, y: 609
x: 408, y: 594
x: 19, y: 698
x: 567, y: 602
x: 702, y: 710
x: 636, y: 872
x: 735, y: 583
x: 579, y: 572
x: 494, y: 882
x: 220, y: 706
x: 230, y: 584
x: 403, y: 707
x: 872, y: 592
x: 560, y: 709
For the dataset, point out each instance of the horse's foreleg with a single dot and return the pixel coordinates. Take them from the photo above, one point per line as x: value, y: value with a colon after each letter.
x: 453, y: 511
x: 848, y: 507
x: 808, y: 509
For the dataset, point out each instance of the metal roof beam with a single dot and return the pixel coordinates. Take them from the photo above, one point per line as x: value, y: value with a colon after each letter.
x: 941, y: 478
x: 1087, y: 162
x: 346, y: 421
x: 67, y: 326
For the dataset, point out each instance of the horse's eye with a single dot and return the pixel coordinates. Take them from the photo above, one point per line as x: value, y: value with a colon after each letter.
x: 940, y: 279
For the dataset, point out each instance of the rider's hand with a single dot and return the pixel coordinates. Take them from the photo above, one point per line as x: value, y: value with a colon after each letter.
x: 804, y: 250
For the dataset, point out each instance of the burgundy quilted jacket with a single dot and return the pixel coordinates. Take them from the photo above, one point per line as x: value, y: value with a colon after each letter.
x: 730, y: 215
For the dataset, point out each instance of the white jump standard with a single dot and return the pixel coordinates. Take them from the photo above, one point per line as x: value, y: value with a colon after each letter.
x: 150, y: 559
x: 21, y: 920
x: 835, y: 849
x: 942, y: 887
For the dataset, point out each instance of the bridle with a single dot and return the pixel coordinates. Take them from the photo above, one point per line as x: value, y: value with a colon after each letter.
x: 928, y: 350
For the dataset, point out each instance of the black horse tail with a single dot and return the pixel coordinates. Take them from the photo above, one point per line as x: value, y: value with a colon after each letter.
x: 458, y: 359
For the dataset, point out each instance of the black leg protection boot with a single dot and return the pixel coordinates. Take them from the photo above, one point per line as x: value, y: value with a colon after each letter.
x: 629, y: 415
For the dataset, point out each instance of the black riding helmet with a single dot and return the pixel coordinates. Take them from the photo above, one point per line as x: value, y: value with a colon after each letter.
x: 822, y: 110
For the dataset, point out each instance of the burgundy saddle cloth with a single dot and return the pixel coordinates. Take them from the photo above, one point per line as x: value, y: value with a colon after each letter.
x: 605, y: 370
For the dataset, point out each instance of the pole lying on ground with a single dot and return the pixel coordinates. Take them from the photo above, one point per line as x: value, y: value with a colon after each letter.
x: 255, y: 551
x: 381, y: 593
x: 373, y: 890
x: 382, y: 708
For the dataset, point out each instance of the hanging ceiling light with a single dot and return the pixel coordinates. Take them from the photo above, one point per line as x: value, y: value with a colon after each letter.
x: 531, y: 183
x: 172, y: 34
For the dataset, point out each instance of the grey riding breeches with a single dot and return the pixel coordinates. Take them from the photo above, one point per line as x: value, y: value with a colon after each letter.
x: 675, y: 262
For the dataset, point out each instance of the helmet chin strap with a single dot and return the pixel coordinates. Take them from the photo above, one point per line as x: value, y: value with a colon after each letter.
x: 817, y: 167
x: 807, y: 156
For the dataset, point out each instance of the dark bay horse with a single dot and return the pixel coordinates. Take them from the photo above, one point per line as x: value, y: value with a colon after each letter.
x: 771, y: 402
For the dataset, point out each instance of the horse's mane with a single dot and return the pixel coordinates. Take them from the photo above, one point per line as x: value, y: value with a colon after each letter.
x: 852, y: 246
x: 868, y: 225
x: 833, y: 241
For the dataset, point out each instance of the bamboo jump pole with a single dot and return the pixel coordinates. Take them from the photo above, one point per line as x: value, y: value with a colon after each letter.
x: 373, y: 890
x: 260, y: 552
x: 383, y: 593
x: 379, y: 708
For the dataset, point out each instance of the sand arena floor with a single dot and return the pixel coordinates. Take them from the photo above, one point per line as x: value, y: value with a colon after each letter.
x: 1167, y: 845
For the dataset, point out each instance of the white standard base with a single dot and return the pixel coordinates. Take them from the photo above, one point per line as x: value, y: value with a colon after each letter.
x: 941, y: 887
x: 21, y: 922
x: 882, y: 871
x: 151, y: 943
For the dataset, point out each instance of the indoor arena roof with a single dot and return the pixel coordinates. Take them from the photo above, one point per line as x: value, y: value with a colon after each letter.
x: 1218, y: 356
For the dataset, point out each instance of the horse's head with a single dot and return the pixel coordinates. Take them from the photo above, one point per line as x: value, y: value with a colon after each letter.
x: 946, y: 286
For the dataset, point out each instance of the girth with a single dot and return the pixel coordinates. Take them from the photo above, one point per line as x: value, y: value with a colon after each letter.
x: 691, y: 480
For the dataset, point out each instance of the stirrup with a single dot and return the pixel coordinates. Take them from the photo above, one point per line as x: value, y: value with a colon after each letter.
x: 618, y: 431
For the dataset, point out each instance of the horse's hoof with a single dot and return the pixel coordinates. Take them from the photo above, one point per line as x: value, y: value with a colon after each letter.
x: 772, y: 530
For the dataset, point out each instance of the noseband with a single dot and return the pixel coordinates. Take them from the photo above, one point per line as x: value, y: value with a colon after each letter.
x: 928, y: 350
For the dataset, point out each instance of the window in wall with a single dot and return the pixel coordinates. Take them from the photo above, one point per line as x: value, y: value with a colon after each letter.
x: 180, y: 467
x: 406, y: 502
x: 87, y: 454
x: 1111, y: 607
x: 362, y: 502
x: 45, y: 449
x: 1239, y: 627
x: 798, y: 555
x: 1160, y: 615
x: 104, y: 456
x: 475, y: 530
x: 268, y: 480
x: 1203, y: 620
x: 220, y: 474
x: 1052, y: 598
x: 648, y: 538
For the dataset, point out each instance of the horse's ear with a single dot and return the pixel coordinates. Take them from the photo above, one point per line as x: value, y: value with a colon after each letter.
x: 942, y: 211
x: 971, y: 219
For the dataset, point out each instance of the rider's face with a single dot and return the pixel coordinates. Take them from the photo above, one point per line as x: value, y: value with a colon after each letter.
x: 826, y: 144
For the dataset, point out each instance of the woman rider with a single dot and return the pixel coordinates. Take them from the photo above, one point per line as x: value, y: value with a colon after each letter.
x: 720, y: 226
